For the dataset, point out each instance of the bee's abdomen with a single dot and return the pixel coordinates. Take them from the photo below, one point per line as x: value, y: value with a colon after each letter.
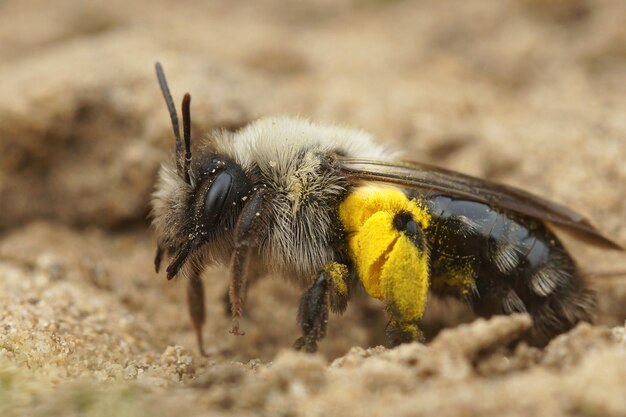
x: 510, y: 263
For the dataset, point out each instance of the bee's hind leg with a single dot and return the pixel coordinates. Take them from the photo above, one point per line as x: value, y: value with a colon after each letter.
x: 399, y: 331
x: 329, y: 291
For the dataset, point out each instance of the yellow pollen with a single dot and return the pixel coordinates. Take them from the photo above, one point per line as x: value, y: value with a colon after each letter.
x: 389, y: 264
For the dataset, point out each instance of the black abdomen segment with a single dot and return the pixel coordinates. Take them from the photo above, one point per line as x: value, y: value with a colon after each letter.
x: 514, y: 264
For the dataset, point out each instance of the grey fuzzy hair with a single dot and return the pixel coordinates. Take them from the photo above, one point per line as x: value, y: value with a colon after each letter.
x: 283, y: 154
x: 170, y: 210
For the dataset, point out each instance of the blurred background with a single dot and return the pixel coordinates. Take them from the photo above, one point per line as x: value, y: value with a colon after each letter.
x: 527, y: 92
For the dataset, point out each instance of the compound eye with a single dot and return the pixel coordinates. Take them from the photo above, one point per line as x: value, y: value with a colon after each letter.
x: 216, y: 197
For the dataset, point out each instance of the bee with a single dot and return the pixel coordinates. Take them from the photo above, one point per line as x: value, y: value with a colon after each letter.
x: 335, y: 211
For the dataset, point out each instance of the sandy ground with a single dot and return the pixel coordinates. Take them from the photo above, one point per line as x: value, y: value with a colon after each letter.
x: 527, y: 92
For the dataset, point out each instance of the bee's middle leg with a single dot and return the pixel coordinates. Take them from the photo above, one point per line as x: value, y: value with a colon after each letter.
x: 313, y: 314
x: 324, y: 294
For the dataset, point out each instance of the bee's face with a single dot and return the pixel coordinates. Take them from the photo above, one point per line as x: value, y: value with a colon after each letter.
x: 204, y: 211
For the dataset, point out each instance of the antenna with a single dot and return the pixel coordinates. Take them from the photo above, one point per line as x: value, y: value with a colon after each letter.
x: 173, y: 116
x: 187, y: 133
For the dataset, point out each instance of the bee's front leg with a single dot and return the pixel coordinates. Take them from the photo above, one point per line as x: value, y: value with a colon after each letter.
x: 158, y: 257
x: 328, y: 291
x: 248, y: 234
x: 254, y: 274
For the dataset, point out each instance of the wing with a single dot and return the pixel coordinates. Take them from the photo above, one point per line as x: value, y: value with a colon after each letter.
x: 431, y: 178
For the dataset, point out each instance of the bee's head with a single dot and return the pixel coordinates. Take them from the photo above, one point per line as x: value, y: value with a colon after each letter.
x: 198, y: 201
